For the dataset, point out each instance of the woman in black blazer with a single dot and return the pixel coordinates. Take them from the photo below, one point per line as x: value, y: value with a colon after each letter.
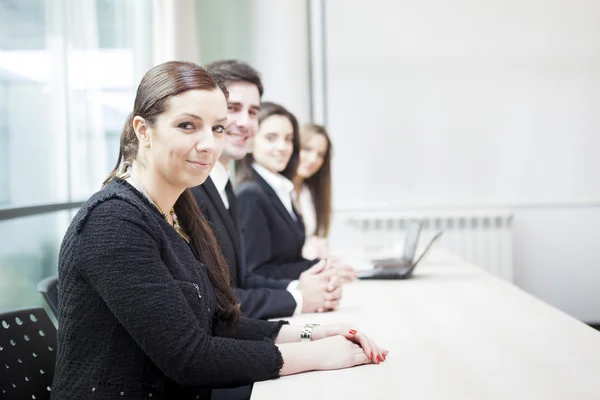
x: 273, y: 229
x: 145, y: 306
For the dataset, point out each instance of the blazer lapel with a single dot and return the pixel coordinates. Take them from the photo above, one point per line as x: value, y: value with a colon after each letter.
x: 212, y: 192
x: 300, y: 219
x: 278, y: 205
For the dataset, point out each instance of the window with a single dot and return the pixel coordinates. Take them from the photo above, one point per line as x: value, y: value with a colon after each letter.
x: 4, y: 145
x: 67, y: 81
x: 27, y: 255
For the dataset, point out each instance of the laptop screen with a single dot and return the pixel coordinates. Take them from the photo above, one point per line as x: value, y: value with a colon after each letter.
x: 412, y: 239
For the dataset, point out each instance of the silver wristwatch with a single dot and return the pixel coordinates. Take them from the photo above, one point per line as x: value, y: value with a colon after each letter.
x: 306, y: 334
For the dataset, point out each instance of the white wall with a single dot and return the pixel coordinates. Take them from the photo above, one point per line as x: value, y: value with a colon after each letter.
x: 557, y: 257
x: 467, y: 96
x: 493, y: 103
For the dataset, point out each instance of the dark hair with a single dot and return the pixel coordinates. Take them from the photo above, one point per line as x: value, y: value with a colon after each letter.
x: 319, y: 185
x: 152, y: 99
x: 231, y: 71
x: 243, y: 167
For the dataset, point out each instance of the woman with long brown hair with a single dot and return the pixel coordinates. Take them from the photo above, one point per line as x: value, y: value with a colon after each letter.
x: 145, y: 306
x: 273, y: 228
x: 313, y: 188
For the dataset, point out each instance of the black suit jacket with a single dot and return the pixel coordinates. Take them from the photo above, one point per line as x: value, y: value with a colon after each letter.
x: 260, y: 297
x: 273, y: 239
x: 138, y: 313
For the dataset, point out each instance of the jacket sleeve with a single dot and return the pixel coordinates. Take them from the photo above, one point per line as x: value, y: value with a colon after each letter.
x: 266, y: 303
x: 123, y: 264
x: 257, y: 248
x: 252, y: 279
x: 251, y: 329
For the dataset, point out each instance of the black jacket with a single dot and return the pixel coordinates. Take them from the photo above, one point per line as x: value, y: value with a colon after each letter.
x: 138, y: 314
x: 260, y: 297
x: 273, y: 241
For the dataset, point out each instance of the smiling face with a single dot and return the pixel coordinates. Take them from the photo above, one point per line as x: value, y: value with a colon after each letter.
x: 274, y: 143
x: 312, y: 155
x: 242, y: 113
x: 187, y: 139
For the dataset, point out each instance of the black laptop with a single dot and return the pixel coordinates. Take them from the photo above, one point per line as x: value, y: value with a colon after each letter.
x: 403, y: 267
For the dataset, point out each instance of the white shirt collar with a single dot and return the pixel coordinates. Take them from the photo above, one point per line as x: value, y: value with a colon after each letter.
x: 282, y: 186
x: 278, y: 182
x: 220, y: 177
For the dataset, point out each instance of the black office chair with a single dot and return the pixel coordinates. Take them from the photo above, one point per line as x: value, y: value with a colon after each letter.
x: 27, y: 354
x: 49, y: 289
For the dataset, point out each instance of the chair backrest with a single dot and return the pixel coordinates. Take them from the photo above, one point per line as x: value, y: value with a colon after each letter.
x: 27, y: 354
x: 49, y: 290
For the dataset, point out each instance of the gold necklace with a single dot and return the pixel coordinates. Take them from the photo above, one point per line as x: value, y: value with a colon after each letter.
x: 128, y: 176
x: 176, y: 224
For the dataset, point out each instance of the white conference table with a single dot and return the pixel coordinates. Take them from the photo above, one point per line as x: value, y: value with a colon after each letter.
x: 453, y: 332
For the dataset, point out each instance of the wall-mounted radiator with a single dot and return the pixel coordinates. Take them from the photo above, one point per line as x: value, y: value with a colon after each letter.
x: 483, y: 238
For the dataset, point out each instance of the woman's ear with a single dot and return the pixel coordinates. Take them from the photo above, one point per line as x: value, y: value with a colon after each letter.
x: 142, y: 131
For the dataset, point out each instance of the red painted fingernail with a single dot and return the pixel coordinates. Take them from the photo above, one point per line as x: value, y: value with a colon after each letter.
x: 352, y: 332
x: 372, y: 356
x: 378, y: 358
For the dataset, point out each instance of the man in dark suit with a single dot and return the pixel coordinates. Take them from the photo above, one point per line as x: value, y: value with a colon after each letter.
x: 318, y: 288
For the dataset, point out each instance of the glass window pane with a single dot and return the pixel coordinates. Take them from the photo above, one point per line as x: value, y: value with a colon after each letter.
x: 4, y: 144
x: 68, y: 70
x: 221, y: 41
x: 114, y: 24
x: 101, y: 87
x: 22, y: 25
x: 29, y: 253
x: 32, y: 132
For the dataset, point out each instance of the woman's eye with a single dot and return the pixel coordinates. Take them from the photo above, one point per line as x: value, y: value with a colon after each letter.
x: 219, y: 129
x: 186, y: 126
x: 289, y: 139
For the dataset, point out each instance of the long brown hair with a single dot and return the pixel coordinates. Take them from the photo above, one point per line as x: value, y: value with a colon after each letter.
x: 319, y: 185
x: 243, y: 167
x: 152, y: 99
